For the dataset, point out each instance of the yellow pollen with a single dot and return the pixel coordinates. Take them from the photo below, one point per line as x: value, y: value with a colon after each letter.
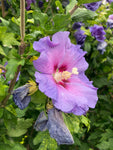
x: 0, y: 70
x: 65, y: 75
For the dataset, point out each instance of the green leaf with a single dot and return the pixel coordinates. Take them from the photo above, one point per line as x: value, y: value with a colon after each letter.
x: 85, y: 121
x: 3, y: 30
x: 1, y: 112
x: 18, y: 147
x: 70, y: 6
x: 61, y: 21
x: 38, y: 97
x: 2, y: 51
x: 87, y: 1
x: 106, y: 145
x: 72, y: 122
x: 12, y: 67
x: 15, y: 146
x: 39, y: 137
x: 9, y: 39
x: 42, y: 17
x: 4, y: 22
x: 84, y: 146
x: 87, y: 46
x: 20, y: 128
x: 5, y: 147
x: 99, y: 82
x: 20, y: 113
x: 83, y: 14
x: 11, y: 109
x: 3, y: 91
x: 46, y: 141
x: 59, y: 5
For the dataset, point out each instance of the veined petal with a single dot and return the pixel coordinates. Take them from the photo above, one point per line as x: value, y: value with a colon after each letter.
x: 43, y: 44
x: 49, y: 60
x: 74, y: 58
x: 84, y: 91
x: 47, y: 85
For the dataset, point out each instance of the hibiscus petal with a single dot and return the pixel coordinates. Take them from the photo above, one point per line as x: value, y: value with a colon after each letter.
x: 85, y: 93
x: 43, y: 44
x: 62, y: 38
x: 47, y: 85
x: 74, y: 58
x: 49, y: 60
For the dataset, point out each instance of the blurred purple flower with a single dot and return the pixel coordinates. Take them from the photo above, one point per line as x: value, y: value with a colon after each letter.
x: 77, y: 25
x: 40, y: 4
x: 0, y: 21
x: 110, y: 22
x: 80, y: 37
x: 93, y: 6
x: 101, y: 47
x: 109, y: 1
x: 29, y: 3
x: 98, y: 32
x: 62, y: 65
x: 111, y: 17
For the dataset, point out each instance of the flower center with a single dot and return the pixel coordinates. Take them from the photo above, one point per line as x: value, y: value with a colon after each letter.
x: 65, y: 75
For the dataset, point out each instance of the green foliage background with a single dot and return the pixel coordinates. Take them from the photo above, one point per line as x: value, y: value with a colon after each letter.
x: 94, y: 131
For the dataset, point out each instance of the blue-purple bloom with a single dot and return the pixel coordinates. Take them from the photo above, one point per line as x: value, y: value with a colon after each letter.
x: 80, y: 37
x: 77, y: 25
x: 40, y: 3
x: 20, y: 96
x: 98, y: 32
x: 101, y: 47
x: 93, y: 6
x: 60, y: 74
x: 56, y: 126
x: 29, y: 3
x: 110, y: 22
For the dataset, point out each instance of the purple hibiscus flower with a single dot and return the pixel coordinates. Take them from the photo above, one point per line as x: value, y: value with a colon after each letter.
x: 80, y: 37
x: 93, y: 6
x: 110, y: 21
x: 61, y: 76
x: 98, y: 32
x: 29, y: 3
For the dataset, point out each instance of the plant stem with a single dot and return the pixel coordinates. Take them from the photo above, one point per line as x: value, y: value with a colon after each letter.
x: 21, y: 50
x: 73, y: 9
